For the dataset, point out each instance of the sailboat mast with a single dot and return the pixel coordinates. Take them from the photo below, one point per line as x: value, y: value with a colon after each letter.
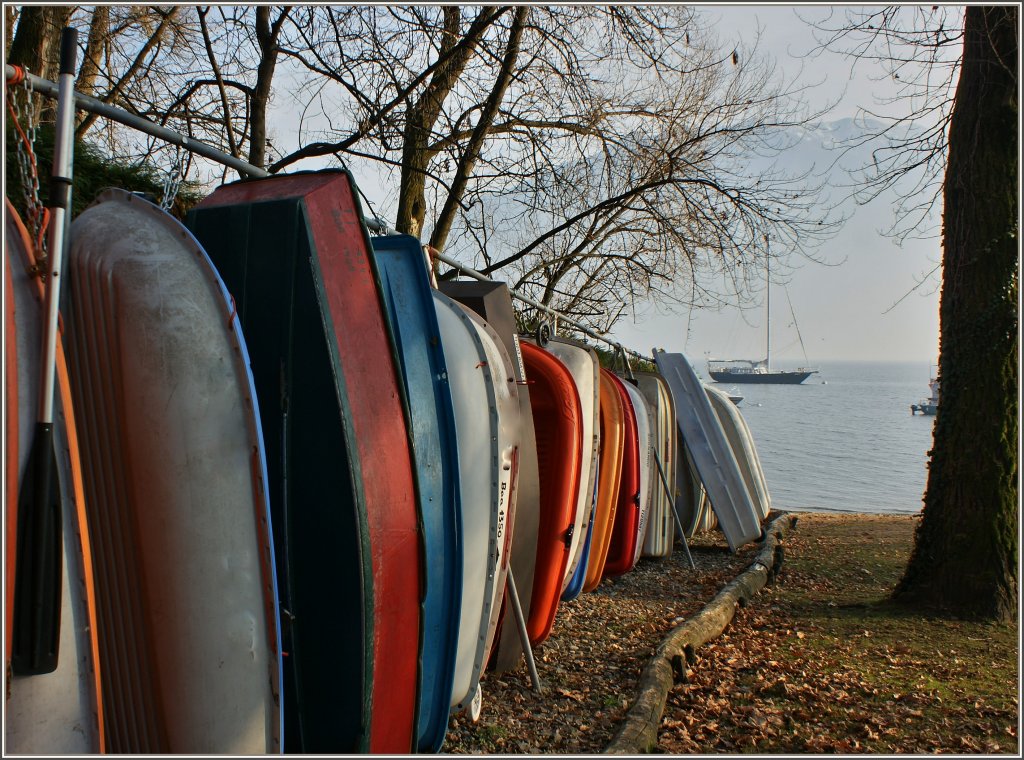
x: 768, y: 311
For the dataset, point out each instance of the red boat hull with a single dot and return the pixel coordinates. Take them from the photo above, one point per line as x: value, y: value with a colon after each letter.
x: 622, y: 548
x: 558, y: 425
x: 378, y: 437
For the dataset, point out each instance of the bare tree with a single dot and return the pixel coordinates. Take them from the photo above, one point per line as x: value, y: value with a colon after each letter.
x: 579, y: 151
x: 592, y: 155
x: 918, y: 47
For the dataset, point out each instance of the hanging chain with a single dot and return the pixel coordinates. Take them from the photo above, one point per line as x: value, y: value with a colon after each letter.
x: 172, y: 182
x: 27, y: 166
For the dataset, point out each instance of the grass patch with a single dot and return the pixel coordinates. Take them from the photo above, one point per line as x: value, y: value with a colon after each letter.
x: 821, y: 662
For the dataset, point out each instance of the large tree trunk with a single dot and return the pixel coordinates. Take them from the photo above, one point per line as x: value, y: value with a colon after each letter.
x: 965, y: 554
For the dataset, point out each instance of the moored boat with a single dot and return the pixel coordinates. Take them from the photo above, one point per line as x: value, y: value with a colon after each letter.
x: 760, y: 371
x: 747, y: 371
x: 928, y: 405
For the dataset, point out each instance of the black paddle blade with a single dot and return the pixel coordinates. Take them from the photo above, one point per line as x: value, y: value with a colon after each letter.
x: 37, y: 580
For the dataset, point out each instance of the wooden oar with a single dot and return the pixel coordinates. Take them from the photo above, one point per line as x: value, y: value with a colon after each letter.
x: 37, y: 590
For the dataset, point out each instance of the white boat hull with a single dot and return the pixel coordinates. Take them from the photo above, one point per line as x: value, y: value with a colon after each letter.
x: 585, y: 368
x: 742, y: 441
x: 175, y: 484
x: 707, y: 443
x: 660, y: 521
x: 481, y: 377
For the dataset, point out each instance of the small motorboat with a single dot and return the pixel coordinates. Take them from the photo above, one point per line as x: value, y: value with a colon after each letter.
x: 928, y: 405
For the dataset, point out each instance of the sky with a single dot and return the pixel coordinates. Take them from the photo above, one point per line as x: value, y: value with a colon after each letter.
x: 842, y: 309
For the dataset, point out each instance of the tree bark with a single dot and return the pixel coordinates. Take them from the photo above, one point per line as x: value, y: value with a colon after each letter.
x: 423, y: 114
x: 99, y: 31
x: 10, y: 19
x: 267, y: 36
x: 964, y: 561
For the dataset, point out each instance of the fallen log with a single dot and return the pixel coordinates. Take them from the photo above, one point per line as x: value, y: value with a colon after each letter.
x: 639, y: 730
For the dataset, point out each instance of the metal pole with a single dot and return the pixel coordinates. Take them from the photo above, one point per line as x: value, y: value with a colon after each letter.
x: 672, y: 501
x: 91, y: 104
x: 513, y: 595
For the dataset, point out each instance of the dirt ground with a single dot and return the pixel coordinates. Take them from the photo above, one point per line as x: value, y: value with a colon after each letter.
x: 815, y: 663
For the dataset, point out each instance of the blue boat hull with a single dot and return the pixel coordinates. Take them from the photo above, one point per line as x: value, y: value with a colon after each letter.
x: 409, y: 306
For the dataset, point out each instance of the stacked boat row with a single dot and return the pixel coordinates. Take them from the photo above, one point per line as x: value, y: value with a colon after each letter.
x: 295, y: 477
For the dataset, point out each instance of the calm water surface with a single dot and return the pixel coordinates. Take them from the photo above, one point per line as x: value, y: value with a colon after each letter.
x: 844, y: 440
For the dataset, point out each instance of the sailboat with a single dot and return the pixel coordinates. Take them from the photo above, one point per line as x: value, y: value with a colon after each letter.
x: 760, y: 370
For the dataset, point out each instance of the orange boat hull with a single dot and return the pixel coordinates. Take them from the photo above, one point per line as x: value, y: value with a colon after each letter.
x: 612, y: 441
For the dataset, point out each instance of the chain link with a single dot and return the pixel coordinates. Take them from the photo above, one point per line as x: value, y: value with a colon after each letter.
x: 172, y: 182
x: 27, y: 166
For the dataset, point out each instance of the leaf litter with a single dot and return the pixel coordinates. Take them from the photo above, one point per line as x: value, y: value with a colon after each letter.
x: 812, y: 664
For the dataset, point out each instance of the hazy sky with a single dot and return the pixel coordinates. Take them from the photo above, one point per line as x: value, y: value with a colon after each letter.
x: 839, y: 309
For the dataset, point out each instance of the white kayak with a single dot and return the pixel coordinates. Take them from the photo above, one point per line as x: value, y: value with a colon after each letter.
x: 487, y: 429
x: 742, y: 441
x: 707, y: 443
x: 660, y: 520
x: 585, y: 367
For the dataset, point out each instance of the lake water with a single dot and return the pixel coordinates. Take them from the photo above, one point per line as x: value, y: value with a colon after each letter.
x: 844, y: 440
